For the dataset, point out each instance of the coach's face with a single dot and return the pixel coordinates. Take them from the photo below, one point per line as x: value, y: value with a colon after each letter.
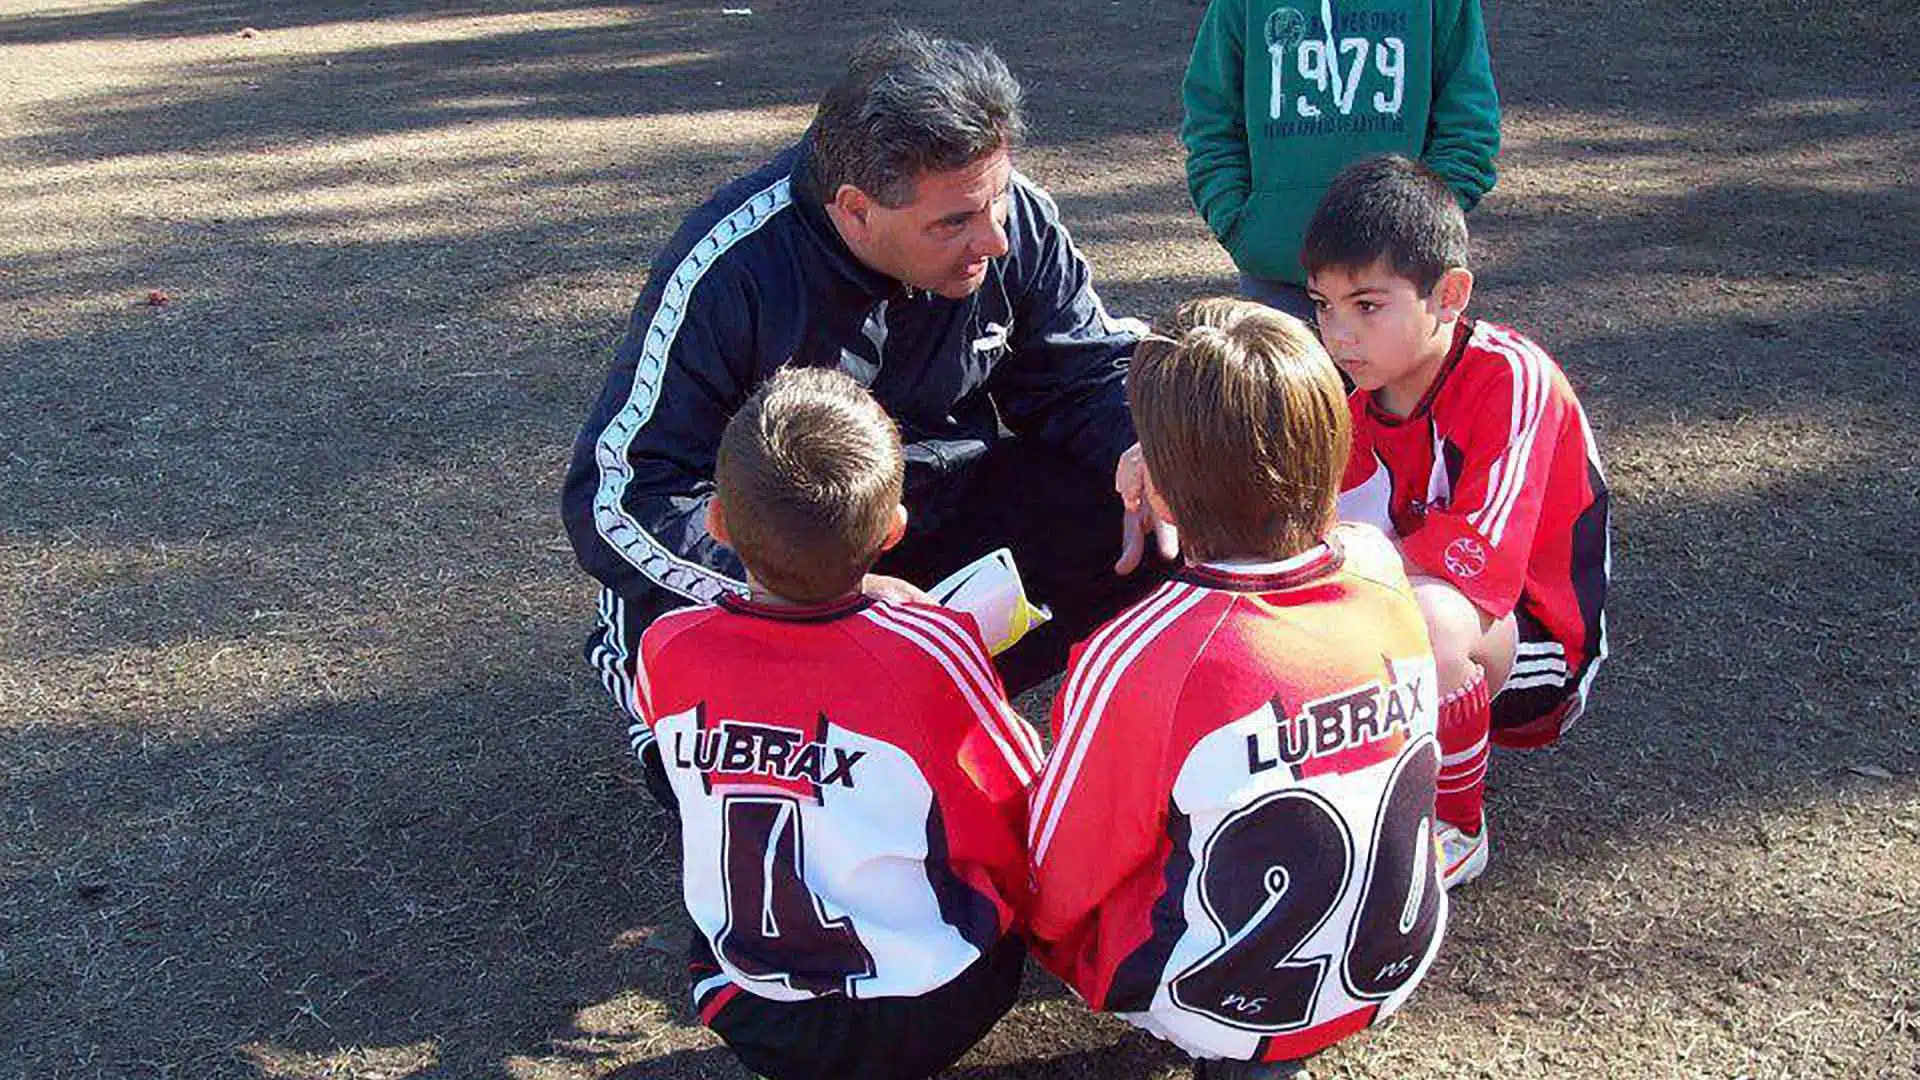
x: 943, y: 238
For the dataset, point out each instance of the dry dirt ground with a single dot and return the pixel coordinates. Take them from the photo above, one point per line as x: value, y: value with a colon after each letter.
x: 300, y: 773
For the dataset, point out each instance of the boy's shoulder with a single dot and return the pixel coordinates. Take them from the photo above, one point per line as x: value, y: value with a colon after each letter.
x: 1495, y: 352
x: 1154, y: 641
x: 680, y: 624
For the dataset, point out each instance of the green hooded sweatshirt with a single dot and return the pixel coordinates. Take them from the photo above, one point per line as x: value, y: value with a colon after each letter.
x: 1276, y: 105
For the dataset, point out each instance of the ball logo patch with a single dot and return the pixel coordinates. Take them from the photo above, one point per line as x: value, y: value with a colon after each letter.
x: 1465, y: 557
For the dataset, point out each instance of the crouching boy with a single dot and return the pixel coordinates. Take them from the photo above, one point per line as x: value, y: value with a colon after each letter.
x: 1472, y: 452
x: 850, y: 779
x: 1232, y: 841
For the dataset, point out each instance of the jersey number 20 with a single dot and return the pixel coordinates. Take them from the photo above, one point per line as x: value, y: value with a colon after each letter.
x: 1276, y: 870
x: 776, y: 928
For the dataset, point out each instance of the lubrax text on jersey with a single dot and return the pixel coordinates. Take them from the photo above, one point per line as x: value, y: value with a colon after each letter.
x: 1352, y: 718
x: 763, y: 750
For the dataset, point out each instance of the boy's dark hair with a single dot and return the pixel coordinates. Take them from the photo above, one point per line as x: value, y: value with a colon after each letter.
x: 1393, y: 209
x: 909, y: 104
x: 809, y: 473
x: 1244, y: 426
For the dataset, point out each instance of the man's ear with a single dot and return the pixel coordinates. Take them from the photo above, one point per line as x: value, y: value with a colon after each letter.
x: 853, y: 205
x: 897, y: 530
x: 717, y: 524
x: 1453, y: 292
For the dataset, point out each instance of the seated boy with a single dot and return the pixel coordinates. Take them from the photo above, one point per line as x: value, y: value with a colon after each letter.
x: 1471, y: 451
x: 1232, y: 840
x: 850, y: 779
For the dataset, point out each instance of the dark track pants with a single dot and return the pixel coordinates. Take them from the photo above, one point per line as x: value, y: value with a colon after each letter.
x: 897, y: 1038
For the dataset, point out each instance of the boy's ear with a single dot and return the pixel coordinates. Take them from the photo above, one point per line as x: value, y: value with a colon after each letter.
x: 1453, y: 292
x: 717, y: 524
x: 897, y: 530
x: 1158, y: 504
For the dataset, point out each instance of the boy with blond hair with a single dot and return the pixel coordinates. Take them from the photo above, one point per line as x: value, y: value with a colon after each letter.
x: 1472, y: 452
x: 1232, y: 841
x: 850, y: 779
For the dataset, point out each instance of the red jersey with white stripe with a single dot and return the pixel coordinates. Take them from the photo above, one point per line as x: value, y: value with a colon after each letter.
x: 1493, y: 483
x: 852, y: 791
x: 1231, y: 841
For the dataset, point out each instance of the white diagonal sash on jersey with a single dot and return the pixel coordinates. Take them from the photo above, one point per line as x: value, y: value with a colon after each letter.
x: 881, y: 615
x: 1187, y: 598
x: 1069, y: 696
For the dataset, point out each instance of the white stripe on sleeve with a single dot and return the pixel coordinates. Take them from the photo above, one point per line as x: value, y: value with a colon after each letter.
x: 616, y: 526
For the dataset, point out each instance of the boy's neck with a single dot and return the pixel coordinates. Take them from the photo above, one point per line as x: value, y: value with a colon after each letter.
x: 1404, y: 394
x: 765, y: 597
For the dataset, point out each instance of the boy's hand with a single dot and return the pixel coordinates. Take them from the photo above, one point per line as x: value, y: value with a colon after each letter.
x: 1130, y: 482
x: 898, y: 590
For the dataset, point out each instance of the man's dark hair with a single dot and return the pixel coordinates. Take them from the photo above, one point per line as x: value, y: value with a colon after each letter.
x: 808, y: 477
x: 910, y: 104
x: 1393, y: 209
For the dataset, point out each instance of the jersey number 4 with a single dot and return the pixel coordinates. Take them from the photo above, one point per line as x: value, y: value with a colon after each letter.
x: 776, y: 927
x: 1275, y: 871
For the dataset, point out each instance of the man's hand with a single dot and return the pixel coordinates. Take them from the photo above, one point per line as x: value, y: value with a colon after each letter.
x: 1130, y: 481
x: 900, y: 591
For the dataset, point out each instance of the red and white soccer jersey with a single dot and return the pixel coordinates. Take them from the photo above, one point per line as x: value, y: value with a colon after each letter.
x: 1493, y: 483
x: 852, y: 791
x: 1231, y: 841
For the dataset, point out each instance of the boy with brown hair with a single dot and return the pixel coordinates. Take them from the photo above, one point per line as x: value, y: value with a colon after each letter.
x: 1232, y: 840
x: 849, y: 776
x: 1472, y: 452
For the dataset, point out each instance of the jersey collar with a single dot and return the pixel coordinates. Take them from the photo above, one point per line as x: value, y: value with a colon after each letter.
x: 1313, y: 564
x: 799, y: 613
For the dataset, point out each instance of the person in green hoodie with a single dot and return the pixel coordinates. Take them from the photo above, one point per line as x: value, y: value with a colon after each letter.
x: 1280, y: 95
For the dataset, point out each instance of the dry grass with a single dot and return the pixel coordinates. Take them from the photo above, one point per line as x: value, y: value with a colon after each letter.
x: 302, y: 777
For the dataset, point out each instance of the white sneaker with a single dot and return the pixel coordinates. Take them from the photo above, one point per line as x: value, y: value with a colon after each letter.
x: 1463, y: 855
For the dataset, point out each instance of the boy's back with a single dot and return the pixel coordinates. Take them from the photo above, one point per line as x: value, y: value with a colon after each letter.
x: 1232, y: 838
x: 851, y: 789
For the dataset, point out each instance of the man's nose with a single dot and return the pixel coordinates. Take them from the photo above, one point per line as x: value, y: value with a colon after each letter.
x: 991, y: 243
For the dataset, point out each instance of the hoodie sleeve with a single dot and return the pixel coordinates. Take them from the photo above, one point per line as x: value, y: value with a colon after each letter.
x: 1219, y: 165
x: 1065, y: 383
x: 1463, y: 133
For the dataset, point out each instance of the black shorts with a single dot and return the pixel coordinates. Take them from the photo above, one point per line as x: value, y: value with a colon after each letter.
x: 889, y: 1038
x: 1542, y: 698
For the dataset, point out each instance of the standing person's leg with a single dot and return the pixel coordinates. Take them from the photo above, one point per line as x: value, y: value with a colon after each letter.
x: 1279, y: 295
x: 1062, y: 524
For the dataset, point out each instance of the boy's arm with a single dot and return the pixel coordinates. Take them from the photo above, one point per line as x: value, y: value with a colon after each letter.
x: 1482, y: 541
x: 1097, y: 816
x: 1463, y: 132
x: 1219, y: 166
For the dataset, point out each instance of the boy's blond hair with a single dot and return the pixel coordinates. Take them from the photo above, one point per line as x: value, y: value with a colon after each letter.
x: 809, y: 473
x: 1244, y: 427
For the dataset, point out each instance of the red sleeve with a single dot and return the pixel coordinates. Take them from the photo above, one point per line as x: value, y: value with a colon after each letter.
x: 1098, y: 811
x: 1483, y: 540
x: 654, y: 641
x: 980, y: 756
